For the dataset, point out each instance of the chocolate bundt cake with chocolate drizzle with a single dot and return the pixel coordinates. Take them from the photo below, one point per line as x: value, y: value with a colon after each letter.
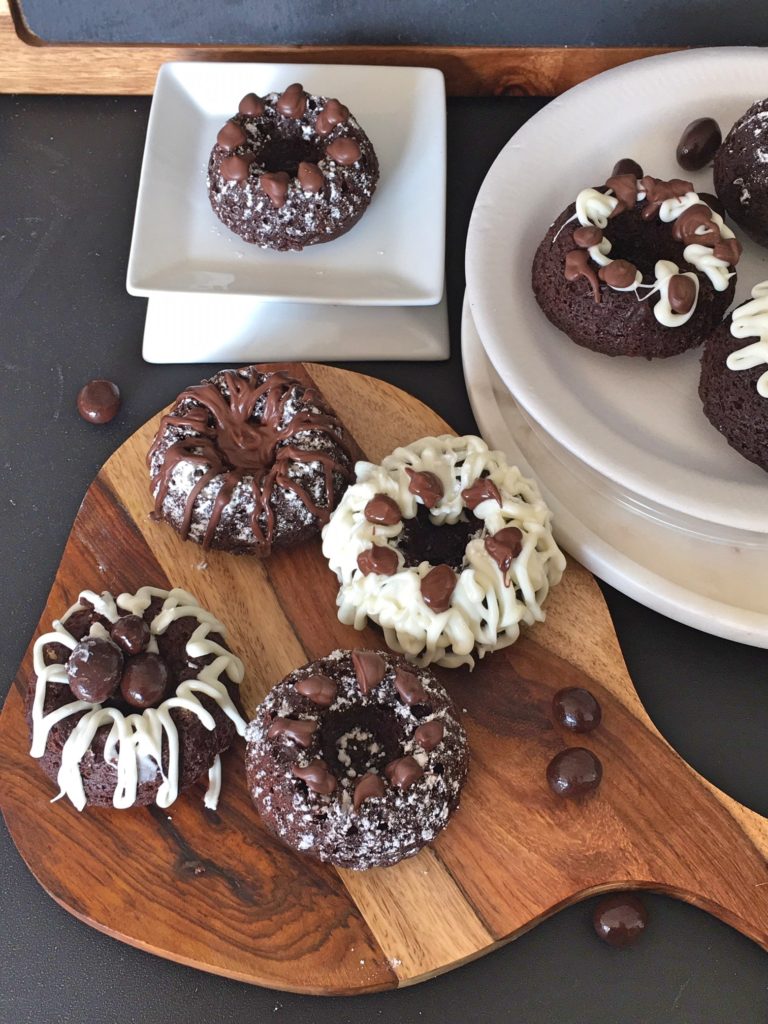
x: 357, y: 759
x: 248, y: 460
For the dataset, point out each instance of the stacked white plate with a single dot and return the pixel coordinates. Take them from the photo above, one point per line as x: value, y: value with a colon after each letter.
x: 645, y: 492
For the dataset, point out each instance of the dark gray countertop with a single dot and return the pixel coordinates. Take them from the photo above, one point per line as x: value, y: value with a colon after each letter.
x: 68, y: 178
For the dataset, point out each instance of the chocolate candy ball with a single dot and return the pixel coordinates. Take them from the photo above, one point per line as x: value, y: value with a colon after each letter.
x: 131, y: 634
x: 627, y: 166
x: 576, y: 709
x: 698, y: 144
x: 620, y: 919
x: 145, y: 680
x: 574, y: 772
x: 98, y: 401
x: 93, y: 669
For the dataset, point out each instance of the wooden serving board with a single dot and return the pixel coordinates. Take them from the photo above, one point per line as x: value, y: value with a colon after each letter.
x: 217, y: 892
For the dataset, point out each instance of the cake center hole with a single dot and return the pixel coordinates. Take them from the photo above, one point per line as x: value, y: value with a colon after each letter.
x: 359, y: 740
x: 285, y: 154
x: 422, y: 541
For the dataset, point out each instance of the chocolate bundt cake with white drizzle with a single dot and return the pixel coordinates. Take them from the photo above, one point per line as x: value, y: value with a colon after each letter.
x: 133, y: 699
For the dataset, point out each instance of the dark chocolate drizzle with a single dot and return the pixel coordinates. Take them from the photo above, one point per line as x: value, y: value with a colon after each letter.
x: 228, y: 440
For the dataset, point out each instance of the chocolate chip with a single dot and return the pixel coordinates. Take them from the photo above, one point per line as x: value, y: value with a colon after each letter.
x: 429, y: 735
x: 577, y: 265
x: 333, y: 113
x: 344, y: 151
x: 481, y: 490
x: 437, y: 588
x: 231, y: 136
x: 576, y: 709
x: 130, y: 633
x: 275, y: 184
x: 98, y: 401
x: 698, y: 144
x: 292, y: 102
x: 681, y: 292
x: 382, y: 510
x: 587, y: 236
x: 319, y: 689
x: 403, y: 772
x: 310, y: 177
x: 235, y: 168
x: 251, y: 105
x: 145, y: 680
x: 370, y: 785
x: 574, y: 772
x: 93, y: 669
x: 728, y: 249
x: 624, y: 187
x: 618, y: 274
x: 627, y: 166
x: 503, y: 547
x: 370, y: 669
x: 426, y: 486
x: 620, y: 919
x: 713, y: 202
x: 317, y: 777
x: 378, y: 559
x: 409, y: 686
x: 299, y: 730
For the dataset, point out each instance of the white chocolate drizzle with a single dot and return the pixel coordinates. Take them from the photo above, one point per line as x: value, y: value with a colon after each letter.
x: 485, y: 614
x: 135, y: 742
x: 751, y: 321
x: 665, y: 270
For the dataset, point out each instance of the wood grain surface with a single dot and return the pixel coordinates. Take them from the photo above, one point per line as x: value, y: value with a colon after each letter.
x: 218, y: 892
x: 29, y: 65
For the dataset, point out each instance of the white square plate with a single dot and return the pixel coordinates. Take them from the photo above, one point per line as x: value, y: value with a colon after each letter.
x: 393, y: 256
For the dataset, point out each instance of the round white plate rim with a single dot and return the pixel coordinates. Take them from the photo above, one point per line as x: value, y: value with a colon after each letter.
x: 498, y: 304
x: 576, y: 537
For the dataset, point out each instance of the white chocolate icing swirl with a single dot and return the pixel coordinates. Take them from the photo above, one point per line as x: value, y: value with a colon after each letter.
x: 484, y: 614
x: 135, y: 742
x: 751, y: 321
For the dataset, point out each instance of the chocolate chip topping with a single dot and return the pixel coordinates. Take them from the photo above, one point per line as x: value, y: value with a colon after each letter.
x: 145, y: 680
x: 93, y: 669
x: 576, y: 709
x: 382, y: 510
x: 618, y: 274
x: 577, y: 265
x: 235, y: 168
x: 310, y: 177
x: 429, y: 735
x: 298, y: 730
x: 292, y: 102
x: 130, y: 633
x: 370, y: 785
x: 344, y: 151
x: 231, y: 136
x: 504, y: 546
x: 681, y: 292
x: 275, y: 184
x: 695, y: 225
x: 409, y: 686
x: 379, y: 559
x: 587, y: 236
x: 624, y: 187
x: 620, y: 919
x: 658, y: 191
x: 98, y: 401
x: 713, y: 202
x: 627, y: 166
x: 728, y: 249
x: 317, y: 777
x: 481, y: 490
x: 437, y: 588
x: 403, y: 772
x: 698, y: 144
x: 574, y: 772
x: 370, y: 669
x: 251, y: 105
x: 333, y: 113
x: 426, y: 486
x: 261, y: 450
x: 319, y: 689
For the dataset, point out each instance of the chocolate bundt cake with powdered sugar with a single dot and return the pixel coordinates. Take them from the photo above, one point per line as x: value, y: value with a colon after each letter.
x: 291, y: 170
x: 637, y: 267
x: 248, y: 460
x: 133, y: 699
x: 357, y: 759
